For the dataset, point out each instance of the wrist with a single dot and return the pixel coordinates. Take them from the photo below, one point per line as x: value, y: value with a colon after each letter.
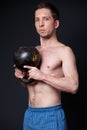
x: 43, y: 77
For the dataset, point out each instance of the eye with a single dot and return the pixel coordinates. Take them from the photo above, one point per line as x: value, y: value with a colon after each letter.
x: 46, y: 18
x: 36, y: 19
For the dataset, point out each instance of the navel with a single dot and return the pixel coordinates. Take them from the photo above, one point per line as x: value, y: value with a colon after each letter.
x: 48, y: 66
x: 33, y: 100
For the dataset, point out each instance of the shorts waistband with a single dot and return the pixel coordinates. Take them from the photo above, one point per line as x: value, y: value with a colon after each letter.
x: 50, y: 108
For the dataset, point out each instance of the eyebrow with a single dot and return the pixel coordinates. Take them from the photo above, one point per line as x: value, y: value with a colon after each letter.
x: 44, y: 16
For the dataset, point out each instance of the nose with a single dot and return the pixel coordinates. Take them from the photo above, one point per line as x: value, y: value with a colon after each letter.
x: 41, y: 23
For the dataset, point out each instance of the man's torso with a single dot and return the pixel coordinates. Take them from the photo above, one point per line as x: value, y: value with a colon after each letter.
x: 40, y: 93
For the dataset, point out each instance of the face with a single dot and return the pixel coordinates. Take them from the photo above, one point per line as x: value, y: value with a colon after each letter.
x: 45, y: 24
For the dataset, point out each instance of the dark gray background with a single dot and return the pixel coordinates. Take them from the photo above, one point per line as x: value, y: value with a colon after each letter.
x: 17, y: 28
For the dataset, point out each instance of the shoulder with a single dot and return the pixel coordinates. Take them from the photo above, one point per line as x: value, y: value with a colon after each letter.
x: 38, y: 47
x: 64, y: 48
x: 66, y: 51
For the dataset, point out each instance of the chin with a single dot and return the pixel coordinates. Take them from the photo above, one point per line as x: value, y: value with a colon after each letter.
x: 45, y: 36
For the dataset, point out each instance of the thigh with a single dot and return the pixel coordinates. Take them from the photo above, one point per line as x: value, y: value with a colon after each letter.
x: 39, y: 120
x: 61, y: 120
x: 45, y: 120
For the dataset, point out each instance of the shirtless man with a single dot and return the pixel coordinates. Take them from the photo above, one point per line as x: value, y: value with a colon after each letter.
x: 57, y: 73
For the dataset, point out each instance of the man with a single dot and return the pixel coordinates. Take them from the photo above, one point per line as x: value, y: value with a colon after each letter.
x: 57, y: 73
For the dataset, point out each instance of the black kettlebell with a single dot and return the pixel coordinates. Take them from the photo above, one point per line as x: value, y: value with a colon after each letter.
x: 26, y: 55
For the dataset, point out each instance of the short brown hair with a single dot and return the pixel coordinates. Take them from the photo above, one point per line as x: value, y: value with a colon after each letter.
x: 51, y: 7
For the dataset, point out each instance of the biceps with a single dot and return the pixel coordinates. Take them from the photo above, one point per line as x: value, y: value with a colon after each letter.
x: 69, y: 67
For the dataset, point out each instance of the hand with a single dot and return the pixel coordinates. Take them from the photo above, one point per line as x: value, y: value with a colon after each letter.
x: 18, y: 73
x: 34, y: 72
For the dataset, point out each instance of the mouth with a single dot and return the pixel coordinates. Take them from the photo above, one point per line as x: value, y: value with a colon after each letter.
x: 41, y: 30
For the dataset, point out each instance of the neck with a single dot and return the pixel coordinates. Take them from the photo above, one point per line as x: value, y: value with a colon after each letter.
x: 46, y: 42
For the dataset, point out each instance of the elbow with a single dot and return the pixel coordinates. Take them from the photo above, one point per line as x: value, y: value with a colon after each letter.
x: 75, y: 88
x: 74, y: 91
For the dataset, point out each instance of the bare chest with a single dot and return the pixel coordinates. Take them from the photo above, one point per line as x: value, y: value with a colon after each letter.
x: 51, y: 61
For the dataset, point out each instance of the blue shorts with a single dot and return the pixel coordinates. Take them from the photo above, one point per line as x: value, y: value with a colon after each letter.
x: 47, y: 118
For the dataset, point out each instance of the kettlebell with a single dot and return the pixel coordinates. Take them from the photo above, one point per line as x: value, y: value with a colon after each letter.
x: 26, y: 55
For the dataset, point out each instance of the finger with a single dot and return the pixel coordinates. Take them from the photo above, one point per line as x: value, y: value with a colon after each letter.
x: 28, y: 67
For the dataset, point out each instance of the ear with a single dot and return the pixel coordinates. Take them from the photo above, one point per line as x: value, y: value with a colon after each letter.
x: 56, y: 24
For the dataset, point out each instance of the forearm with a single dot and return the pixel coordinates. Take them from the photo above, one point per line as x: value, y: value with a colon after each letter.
x: 66, y: 84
